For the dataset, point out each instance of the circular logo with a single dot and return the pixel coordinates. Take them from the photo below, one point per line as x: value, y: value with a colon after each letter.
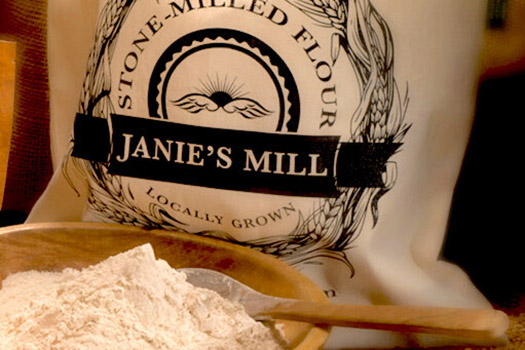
x: 249, y: 81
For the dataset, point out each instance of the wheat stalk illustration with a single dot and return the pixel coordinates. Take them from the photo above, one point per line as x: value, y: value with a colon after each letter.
x: 107, y: 196
x: 330, y: 230
x: 94, y: 98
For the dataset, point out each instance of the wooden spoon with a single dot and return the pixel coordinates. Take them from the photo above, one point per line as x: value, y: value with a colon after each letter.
x: 485, y: 325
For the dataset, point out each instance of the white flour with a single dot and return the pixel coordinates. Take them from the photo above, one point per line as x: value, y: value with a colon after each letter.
x: 129, y: 301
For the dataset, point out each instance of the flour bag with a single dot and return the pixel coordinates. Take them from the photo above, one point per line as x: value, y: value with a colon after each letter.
x: 327, y: 133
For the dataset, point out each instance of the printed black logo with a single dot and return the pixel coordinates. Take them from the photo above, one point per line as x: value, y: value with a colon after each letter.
x: 359, y: 159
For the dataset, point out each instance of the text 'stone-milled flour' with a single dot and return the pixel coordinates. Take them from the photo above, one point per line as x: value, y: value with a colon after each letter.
x: 129, y: 301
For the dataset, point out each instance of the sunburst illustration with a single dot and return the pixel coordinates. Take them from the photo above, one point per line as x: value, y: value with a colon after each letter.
x: 224, y: 94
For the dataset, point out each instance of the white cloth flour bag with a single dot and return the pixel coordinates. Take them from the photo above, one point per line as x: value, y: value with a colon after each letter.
x: 328, y: 133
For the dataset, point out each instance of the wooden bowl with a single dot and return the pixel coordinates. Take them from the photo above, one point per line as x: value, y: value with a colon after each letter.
x: 55, y: 246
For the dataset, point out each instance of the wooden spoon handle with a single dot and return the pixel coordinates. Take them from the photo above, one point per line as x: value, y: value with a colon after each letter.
x: 483, y: 324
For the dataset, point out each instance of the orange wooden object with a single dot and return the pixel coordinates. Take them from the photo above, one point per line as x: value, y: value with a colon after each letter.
x: 7, y: 89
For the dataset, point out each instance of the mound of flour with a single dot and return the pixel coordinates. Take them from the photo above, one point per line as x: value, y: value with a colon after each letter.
x: 129, y: 301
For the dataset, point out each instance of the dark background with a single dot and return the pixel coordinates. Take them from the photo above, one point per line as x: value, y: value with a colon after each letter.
x: 487, y: 220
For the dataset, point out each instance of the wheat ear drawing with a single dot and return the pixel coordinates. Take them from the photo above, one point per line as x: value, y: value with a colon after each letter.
x: 378, y: 119
x: 107, y: 196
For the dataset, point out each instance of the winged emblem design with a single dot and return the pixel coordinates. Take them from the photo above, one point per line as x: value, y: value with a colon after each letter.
x: 246, y: 107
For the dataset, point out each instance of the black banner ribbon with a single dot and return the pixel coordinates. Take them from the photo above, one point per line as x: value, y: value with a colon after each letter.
x: 286, y: 164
